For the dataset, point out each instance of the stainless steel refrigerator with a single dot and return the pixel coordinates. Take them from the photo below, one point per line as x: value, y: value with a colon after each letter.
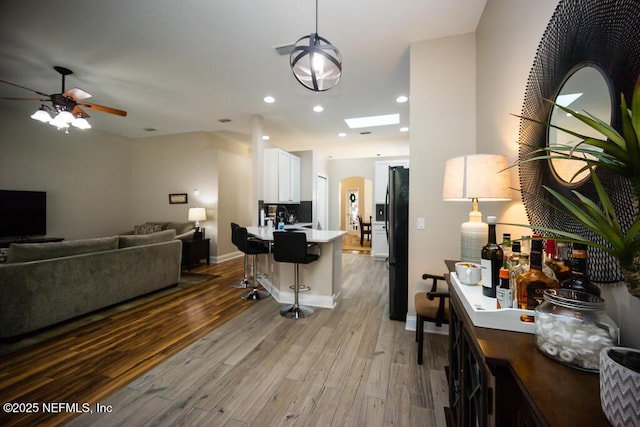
x: 397, y: 218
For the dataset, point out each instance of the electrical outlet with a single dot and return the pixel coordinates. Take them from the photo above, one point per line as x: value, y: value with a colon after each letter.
x: 420, y: 223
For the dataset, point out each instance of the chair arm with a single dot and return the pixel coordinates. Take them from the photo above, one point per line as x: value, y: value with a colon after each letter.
x: 437, y: 294
x: 440, y: 314
x: 434, y: 278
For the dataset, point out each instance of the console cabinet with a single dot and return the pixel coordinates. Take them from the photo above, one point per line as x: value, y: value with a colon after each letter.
x: 499, y: 378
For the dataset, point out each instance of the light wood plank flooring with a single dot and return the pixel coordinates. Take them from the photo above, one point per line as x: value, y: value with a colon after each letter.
x: 350, y: 366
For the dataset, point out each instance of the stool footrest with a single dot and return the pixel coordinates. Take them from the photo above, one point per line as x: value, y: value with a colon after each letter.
x: 255, y: 295
x: 296, y: 312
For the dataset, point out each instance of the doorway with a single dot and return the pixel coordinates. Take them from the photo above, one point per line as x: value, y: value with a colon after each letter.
x: 356, y: 199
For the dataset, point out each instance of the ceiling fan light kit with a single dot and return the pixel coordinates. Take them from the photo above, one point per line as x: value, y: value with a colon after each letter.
x: 65, y: 106
x: 315, y: 62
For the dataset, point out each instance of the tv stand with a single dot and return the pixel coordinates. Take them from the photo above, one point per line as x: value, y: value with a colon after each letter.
x: 6, y: 241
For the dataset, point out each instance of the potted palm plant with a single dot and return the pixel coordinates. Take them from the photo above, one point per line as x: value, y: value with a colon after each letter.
x: 618, y: 152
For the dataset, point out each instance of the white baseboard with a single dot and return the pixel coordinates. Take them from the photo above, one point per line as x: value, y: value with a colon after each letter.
x: 305, y: 299
x: 225, y: 257
x: 429, y: 327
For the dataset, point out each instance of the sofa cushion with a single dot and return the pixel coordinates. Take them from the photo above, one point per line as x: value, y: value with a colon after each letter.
x: 23, y: 252
x: 181, y: 227
x: 127, y: 241
x: 146, y: 229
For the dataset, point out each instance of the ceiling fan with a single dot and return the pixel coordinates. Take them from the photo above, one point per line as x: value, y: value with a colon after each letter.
x: 66, y: 105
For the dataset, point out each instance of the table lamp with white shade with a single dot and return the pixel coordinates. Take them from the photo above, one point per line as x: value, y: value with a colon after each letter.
x: 475, y: 177
x: 197, y: 215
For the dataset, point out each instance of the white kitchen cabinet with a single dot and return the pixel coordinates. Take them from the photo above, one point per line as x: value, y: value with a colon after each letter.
x: 281, y: 182
x: 379, y: 245
x: 381, y: 178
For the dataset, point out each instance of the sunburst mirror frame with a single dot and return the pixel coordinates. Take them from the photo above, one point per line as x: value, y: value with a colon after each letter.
x: 603, y: 33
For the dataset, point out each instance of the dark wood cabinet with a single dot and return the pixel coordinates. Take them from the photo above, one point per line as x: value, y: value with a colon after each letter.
x: 194, y: 251
x: 500, y: 378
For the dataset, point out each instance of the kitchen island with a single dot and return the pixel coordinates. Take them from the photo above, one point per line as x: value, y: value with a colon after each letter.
x: 324, y: 276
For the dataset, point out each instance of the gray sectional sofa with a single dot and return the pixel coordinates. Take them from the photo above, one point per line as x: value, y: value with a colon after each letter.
x: 42, y: 284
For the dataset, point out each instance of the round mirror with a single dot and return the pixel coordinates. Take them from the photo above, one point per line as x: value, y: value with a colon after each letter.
x: 586, y: 90
x: 583, y: 37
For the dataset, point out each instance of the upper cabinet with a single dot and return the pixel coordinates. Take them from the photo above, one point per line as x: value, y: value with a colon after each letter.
x: 281, y: 176
x: 381, y: 179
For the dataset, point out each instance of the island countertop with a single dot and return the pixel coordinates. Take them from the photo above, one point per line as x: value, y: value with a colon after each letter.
x: 313, y: 235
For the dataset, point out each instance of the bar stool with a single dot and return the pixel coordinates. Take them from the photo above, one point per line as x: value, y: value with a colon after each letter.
x: 251, y: 246
x: 244, y: 283
x: 291, y: 247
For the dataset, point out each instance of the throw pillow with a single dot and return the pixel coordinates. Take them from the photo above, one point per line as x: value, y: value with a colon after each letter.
x: 146, y: 229
x: 159, y: 237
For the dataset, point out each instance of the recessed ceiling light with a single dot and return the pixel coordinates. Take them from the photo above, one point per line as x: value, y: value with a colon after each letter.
x: 402, y: 99
x: 404, y: 129
x: 342, y: 134
x: 318, y: 108
x: 266, y: 137
x: 371, y: 121
x: 269, y: 99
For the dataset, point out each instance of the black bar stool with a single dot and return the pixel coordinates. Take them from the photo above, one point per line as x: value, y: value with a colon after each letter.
x: 255, y: 247
x: 291, y: 247
x: 244, y: 283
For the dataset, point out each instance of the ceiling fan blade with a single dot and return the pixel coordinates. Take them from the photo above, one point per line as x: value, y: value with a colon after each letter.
x: 104, y: 109
x: 77, y: 94
x: 27, y: 99
x: 79, y: 112
x: 23, y: 87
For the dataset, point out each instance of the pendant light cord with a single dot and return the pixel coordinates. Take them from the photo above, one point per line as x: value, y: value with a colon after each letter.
x: 316, y: 17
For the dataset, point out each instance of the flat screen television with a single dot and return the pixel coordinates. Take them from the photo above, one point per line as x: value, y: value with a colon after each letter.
x: 23, y: 213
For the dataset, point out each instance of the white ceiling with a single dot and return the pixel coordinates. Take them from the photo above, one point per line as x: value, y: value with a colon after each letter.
x: 180, y: 66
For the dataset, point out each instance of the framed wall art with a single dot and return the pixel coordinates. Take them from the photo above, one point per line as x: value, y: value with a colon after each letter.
x: 178, y: 198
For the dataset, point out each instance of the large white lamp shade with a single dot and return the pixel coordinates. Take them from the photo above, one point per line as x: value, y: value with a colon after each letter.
x: 475, y: 177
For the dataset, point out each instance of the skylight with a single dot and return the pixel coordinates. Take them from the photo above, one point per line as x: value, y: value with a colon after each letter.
x: 371, y: 121
x: 567, y: 99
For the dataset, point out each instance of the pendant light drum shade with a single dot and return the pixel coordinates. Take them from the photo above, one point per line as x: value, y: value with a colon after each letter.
x: 316, y: 63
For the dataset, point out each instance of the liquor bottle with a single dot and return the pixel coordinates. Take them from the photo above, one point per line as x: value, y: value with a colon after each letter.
x: 531, y: 285
x: 547, y: 261
x: 514, y: 259
x: 504, y: 298
x: 506, y: 250
x: 491, y: 261
x: 579, y: 280
x: 525, y: 245
x: 556, y: 262
x: 561, y: 262
x: 520, y: 268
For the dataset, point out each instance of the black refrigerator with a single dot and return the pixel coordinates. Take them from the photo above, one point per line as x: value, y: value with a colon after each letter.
x: 397, y: 212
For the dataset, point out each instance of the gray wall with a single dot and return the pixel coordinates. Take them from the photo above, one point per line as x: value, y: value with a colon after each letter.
x: 87, y: 175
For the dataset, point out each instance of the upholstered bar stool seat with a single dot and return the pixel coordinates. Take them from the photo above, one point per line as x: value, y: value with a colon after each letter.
x: 291, y: 247
x: 254, y: 247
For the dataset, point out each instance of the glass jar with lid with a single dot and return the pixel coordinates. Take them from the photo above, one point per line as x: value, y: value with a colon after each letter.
x: 572, y: 327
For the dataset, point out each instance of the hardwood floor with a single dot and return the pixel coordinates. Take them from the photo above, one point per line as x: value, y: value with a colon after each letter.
x: 202, y: 356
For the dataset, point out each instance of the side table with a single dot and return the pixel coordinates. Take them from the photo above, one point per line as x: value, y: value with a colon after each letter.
x: 194, y: 251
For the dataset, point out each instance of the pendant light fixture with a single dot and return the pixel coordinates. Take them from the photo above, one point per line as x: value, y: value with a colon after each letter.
x: 315, y: 62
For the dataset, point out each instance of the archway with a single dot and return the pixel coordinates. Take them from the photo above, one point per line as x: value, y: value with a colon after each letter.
x: 356, y: 199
